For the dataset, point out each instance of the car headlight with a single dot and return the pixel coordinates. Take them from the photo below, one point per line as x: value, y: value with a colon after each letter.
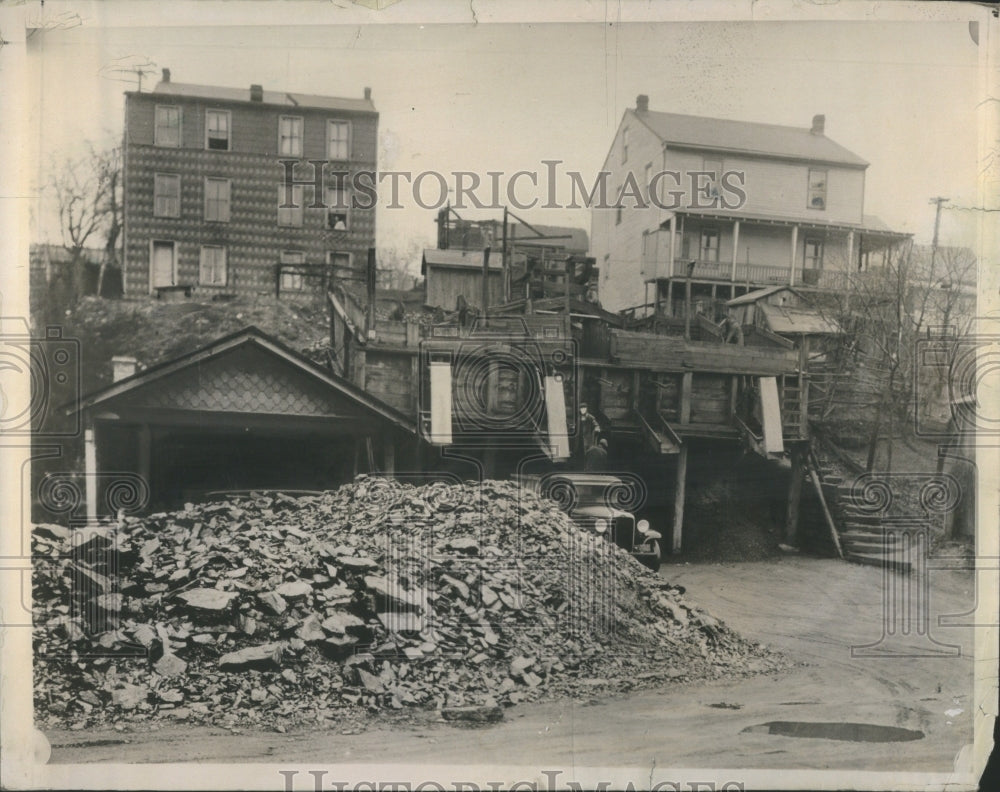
x: 600, y: 525
x: 642, y: 526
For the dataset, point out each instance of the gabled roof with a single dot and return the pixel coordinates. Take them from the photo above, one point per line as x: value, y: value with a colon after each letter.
x: 286, y: 99
x: 746, y: 137
x: 459, y: 259
x: 249, y: 336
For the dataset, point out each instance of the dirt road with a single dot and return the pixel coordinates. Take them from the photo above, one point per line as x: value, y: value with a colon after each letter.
x: 814, y: 610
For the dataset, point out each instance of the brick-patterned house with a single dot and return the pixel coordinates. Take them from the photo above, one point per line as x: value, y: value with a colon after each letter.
x: 750, y: 205
x: 204, y: 188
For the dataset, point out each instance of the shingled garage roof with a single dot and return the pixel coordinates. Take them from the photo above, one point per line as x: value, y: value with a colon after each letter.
x: 248, y: 373
x: 746, y: 137
x: 287, y: 99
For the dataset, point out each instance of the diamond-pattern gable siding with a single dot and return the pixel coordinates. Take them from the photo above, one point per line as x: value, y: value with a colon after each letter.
x: 244, y: 380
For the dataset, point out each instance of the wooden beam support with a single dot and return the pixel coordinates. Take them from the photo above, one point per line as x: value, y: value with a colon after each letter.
x: 680, y: 483
x: 794, y: 495
x: 686, y: 380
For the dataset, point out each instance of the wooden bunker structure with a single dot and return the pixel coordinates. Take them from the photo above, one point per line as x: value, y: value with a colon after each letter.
x: 501, y: 390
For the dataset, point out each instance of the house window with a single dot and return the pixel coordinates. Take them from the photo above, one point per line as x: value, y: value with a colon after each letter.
x: 290, y: 136
x: 814, y: 254
x: 212, y: 271
x: 290, y: 216
x: 166, y: 195
x: 337, y: 215
x: 709, y: 245
x: 338, y: 140
x: 167, y: 127
x: 217, y: 130
x: 292, y: 279
x: 625, y: 145
x: 713, y: 167
x: 817, y: 189
x: 217, y: 200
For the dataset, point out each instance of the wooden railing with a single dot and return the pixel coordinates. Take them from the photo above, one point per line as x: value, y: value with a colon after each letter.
x: 758, y: 274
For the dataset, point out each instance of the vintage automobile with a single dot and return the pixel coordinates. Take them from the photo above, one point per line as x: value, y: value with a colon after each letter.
x: 592, y: 501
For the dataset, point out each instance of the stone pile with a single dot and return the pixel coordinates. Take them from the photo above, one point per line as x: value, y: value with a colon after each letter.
x: 268, y: 609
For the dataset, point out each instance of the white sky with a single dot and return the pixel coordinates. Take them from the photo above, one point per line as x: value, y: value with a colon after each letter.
x: 503, y: 97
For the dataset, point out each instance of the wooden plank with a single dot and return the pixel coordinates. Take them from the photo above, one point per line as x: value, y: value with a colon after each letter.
x: 680, y: 483
x: 771, y: 415
x: 440, y: 433
x: 686, y: 381
x: 555, y: 407
x: 831, y: 526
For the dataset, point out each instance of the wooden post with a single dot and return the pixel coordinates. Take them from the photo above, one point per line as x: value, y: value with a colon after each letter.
x: 804, y: 386
x: 486, y: 285
x: 670, y: 297
x: 794, y: 495
x: 795, y: 255
x: 679, y: 486
x: 90, y: 473
x: 673, y: 245
x: 388, y: 454
x: 850, y: 251
x: 736, y: 244
x: 370, y: 281
x: 144, y: 438
x: 506, y: 261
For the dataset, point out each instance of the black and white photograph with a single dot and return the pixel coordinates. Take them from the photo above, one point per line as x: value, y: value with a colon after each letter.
x: 432, y: 395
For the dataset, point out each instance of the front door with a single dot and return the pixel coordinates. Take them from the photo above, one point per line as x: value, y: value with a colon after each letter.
x: 163, y: 264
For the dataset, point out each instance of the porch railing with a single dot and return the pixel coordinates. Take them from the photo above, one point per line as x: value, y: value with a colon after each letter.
x: 758, y: 274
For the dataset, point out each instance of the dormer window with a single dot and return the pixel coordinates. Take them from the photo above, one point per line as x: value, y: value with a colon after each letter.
x: 817, y: 189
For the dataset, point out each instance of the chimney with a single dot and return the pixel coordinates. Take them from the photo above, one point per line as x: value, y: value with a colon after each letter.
x: 819, y: 122
x: 166, y: 75
x: 642, y: 103
x: 256, y: 93
x: 123, y: 366
x: 368, y: 94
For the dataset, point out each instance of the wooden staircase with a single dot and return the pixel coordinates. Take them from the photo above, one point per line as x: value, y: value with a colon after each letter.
x: 866, y: 538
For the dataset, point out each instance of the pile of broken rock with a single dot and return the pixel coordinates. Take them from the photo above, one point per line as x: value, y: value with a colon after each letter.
x: 268, y: 609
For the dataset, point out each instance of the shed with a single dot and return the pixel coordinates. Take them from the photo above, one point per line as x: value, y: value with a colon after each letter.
x: 452, y: 273
x: 244, y: 412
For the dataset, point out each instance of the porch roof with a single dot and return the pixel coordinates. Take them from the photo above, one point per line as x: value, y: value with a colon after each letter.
x: 872, y: 227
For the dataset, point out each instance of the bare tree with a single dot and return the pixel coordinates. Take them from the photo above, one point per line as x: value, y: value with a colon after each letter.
x: 88, y: 194
x: 885, y: 311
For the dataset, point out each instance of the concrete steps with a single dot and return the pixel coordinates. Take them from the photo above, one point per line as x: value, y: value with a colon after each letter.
x: 863, y: 536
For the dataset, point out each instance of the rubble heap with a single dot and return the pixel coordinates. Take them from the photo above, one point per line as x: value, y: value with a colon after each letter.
x: 271, y: 609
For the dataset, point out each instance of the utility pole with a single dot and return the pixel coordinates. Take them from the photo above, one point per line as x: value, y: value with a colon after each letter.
x: 937, y: 224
